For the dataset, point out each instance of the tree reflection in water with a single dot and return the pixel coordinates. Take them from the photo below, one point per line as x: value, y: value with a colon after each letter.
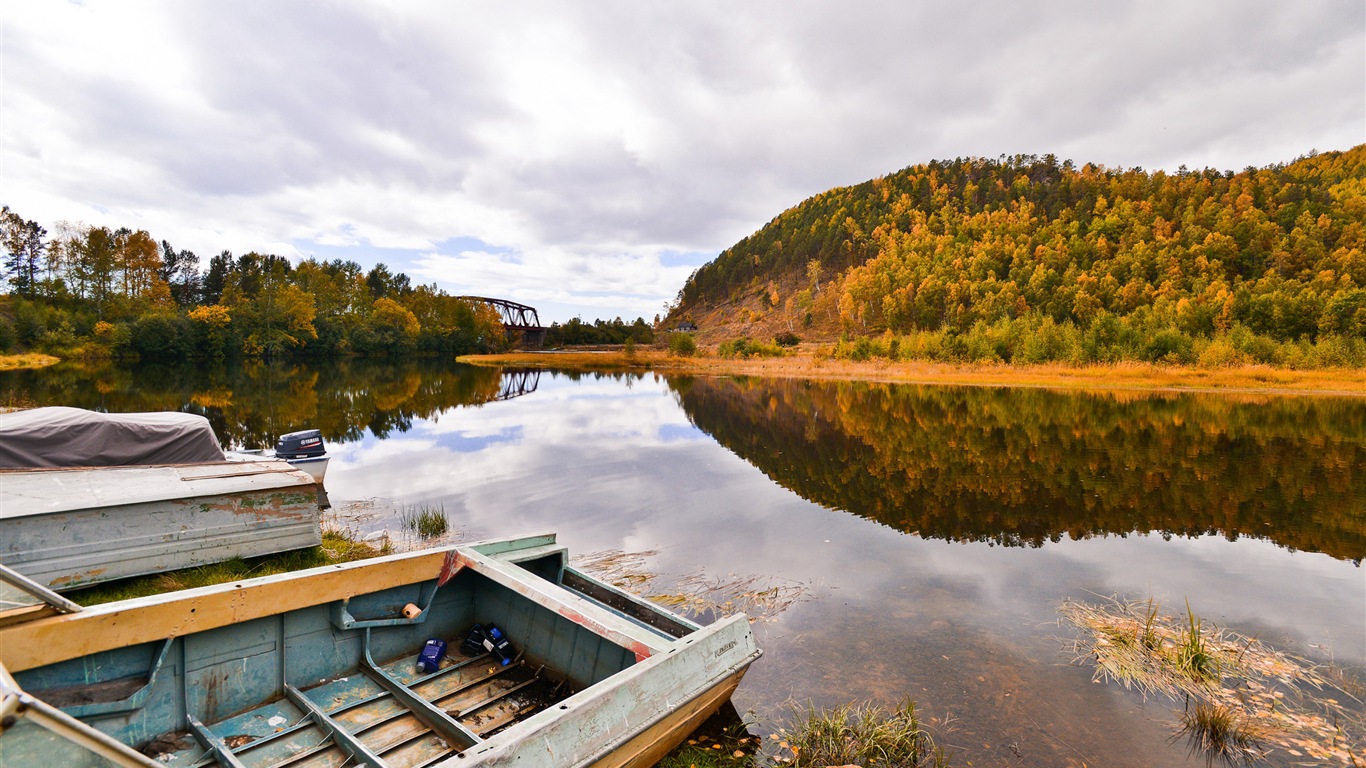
x: 252, y: 403
x: 1022, y: 467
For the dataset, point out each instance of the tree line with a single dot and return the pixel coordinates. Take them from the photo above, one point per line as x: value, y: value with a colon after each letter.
x: 96, y: 290
x: 1025, y: 257
x: 576, y: 332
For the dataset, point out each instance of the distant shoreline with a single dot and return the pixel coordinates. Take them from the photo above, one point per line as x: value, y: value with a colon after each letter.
x: 804, y: 364
x: 26, y: 360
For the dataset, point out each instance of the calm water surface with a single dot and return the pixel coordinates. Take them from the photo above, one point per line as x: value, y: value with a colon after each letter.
x: 931, y: 532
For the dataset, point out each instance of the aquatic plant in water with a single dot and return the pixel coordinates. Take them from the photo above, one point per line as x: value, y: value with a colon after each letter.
x: 1243, y: 698
x: 1221, y: 732
x: 426, y: 521
x: 696, y: 594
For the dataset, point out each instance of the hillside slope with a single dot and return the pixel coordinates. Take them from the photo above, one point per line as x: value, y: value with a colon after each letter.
x: 1000, y: 248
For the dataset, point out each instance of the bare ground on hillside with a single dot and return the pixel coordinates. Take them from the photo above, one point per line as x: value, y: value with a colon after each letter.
x: 805, y: 363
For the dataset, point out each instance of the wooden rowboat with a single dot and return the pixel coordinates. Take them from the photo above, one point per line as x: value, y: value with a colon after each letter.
x: 318, y: 668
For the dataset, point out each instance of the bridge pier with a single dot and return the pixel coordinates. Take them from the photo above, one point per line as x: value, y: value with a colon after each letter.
x: 521, y: 324
x: 527, y: 337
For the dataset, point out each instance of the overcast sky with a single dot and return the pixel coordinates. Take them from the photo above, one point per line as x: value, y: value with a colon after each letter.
x: 585, y: 157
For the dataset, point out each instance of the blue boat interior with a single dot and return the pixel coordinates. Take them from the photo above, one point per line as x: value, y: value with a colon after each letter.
x: 325, y: 685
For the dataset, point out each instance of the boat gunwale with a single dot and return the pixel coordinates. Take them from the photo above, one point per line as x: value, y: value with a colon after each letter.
x: 112, y: 625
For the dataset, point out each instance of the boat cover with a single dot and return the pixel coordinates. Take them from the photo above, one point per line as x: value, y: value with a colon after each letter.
x: 73, y: 437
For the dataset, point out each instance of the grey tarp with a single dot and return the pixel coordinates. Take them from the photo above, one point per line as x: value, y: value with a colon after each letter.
x: 72, y: 437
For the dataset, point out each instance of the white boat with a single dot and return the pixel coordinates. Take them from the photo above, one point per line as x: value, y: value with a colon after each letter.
x: 88, y: 497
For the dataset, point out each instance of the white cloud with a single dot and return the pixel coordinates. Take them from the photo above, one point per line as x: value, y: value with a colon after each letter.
x: 587, y: 140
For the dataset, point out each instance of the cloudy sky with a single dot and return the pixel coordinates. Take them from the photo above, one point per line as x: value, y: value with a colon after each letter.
x: 586, y: 157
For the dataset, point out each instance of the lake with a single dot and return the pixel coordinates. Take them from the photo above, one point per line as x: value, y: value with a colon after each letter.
x: 893, y: 540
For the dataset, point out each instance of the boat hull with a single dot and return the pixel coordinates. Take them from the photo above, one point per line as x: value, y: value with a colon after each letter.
x: 662, y: 737
x: 267, y: 669
x: 68, y: 528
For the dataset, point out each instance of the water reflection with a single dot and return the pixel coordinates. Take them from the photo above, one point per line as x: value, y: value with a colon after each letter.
x: 824, y: 485
x: 251, y: 403
x: 1025, y: 467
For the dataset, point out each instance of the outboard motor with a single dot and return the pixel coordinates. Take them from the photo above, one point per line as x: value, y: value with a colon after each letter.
x: 304, y: 444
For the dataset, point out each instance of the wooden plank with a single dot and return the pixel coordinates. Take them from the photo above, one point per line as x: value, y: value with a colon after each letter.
x: 575, y: 607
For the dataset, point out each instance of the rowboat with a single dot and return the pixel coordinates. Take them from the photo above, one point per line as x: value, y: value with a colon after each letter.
x: 69, y: 528
x: 87, y: 497
x: 320, y: 668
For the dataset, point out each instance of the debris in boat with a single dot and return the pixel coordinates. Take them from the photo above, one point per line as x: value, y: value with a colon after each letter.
x: 1238, y: 691
x: 277, y: 721
x: 167, y: 743
x: 241, y: 739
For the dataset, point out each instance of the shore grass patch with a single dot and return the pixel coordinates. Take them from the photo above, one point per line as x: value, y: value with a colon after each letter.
x: 867, y: 735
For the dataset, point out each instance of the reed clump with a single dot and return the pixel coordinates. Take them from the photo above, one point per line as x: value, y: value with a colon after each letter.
x: 427, y: 521
x: 1223, y: 733
x: 867, y: 735
x: 1243, y: 699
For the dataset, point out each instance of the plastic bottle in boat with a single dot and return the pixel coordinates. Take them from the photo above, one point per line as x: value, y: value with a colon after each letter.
x: 497, y: 644
x: 430, y: 656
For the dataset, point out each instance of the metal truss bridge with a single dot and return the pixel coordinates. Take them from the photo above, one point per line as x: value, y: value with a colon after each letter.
x: 520, y: 322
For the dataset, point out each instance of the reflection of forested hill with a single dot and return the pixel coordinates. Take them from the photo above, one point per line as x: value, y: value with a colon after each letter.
x: 250, y: 404
x: 1027, y: 466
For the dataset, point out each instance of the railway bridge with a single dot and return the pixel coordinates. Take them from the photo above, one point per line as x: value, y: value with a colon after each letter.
x: 521, y: 324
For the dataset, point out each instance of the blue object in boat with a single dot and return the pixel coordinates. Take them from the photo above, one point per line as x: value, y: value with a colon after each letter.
x: 497, y: 644
x: 430, y: 657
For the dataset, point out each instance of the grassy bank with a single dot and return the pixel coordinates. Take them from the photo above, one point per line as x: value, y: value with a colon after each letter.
x: 866, y: 735
x: 26, y: 360
x: 812, y: 363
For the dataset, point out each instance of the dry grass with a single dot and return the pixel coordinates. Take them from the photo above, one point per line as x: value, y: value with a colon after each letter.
x: 1243, y: 698
x: 809, y: 363
x: 1220, y: 732
x: 864, y: 735
x: 27, y: 360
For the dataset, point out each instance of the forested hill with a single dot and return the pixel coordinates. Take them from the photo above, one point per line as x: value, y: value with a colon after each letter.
x: 1018, y: 243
